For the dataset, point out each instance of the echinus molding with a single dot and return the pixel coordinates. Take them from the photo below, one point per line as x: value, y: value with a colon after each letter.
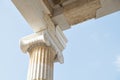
x: 56, y: 40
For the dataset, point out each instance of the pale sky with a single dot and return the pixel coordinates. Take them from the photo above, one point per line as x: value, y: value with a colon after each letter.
x: 92, y: 52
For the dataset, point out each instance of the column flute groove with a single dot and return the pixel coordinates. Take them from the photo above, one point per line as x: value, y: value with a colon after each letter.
x: 41, y: 59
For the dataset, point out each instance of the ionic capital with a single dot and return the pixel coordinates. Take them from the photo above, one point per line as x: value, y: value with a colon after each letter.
x: 46, y: 37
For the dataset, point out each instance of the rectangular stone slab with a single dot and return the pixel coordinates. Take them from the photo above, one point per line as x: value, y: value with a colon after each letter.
x: 107, y: 7
x: 32, y: 11
x: 73, y: 12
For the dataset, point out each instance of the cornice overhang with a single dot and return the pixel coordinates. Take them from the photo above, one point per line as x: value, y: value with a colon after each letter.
x: 66, y: 12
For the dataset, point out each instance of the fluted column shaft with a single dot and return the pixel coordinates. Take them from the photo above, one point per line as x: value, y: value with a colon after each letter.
x: 41, y: 63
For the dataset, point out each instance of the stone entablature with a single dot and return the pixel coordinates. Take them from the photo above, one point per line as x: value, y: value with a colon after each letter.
x: 64, y: 12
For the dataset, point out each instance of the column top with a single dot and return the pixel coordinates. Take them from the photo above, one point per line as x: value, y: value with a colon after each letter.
x: 46, y: 37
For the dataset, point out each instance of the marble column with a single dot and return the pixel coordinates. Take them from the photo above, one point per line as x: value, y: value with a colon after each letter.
x: 41, y: 63
x: 44, y: 49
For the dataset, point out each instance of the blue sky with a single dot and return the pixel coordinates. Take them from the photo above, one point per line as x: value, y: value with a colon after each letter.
x: 92, y: 52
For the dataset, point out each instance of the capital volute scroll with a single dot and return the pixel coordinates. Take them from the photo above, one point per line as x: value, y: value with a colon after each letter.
x: 56, y: 40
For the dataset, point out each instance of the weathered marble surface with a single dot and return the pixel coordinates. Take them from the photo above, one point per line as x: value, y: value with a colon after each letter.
x: 64, y: 12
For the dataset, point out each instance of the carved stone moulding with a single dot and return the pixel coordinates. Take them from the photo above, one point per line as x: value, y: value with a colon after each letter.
x: 56, y: 40
x: 75, y: 12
